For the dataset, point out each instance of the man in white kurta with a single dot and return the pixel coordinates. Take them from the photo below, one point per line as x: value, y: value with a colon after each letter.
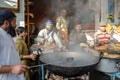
x: 8, y: 55
x: 10, y: 66
x: 48, y: 35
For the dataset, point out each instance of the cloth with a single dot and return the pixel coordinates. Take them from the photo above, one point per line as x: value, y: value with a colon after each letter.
x: 48, y: 38
x: 48, y: 22
x: 89, y: 38
x: 61, y: 23
x: 116, y: 37
x: 62, y: 26
x: 22, y: 49
x: 8, y: 55
x: 6, y: 14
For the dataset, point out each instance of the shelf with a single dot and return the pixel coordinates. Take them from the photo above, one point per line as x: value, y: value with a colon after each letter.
x: 29, y: 20
x: 30, y: 14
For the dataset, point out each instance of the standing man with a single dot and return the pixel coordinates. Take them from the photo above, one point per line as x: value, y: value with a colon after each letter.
x: 48, y: 36
x: 10, y: 66
x: 62, y: 27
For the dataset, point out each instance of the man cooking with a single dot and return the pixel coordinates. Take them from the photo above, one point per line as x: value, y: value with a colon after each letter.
x: 48, y: 37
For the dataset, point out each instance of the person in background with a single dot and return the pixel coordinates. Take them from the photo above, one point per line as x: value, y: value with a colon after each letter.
x: 101, y: 37
x: 48, y: 36
x: 23, y: 50
x: 62, y: 27
x: 109, y: 28
x: 115, y: 43
x: 116, y: 34
x: 77, y: 36
x: 10, y: 65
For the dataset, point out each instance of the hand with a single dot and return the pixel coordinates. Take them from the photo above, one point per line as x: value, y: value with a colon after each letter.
x: 63, y: 49
x: 45, y: 40
x: 18, y: 69
x: 33, y: 56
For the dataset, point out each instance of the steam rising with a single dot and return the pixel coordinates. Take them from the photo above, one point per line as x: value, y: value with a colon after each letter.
x: 78, y: 11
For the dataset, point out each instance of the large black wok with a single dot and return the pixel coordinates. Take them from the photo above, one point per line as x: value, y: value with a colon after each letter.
x: 70, y: 63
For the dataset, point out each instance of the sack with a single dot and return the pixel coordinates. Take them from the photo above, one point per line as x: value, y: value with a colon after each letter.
x: 114, y: 48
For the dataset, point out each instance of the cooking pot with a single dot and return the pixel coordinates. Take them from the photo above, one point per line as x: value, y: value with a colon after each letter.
x: 107, y: 65
x: 70, y: 63
x: 108, y: 62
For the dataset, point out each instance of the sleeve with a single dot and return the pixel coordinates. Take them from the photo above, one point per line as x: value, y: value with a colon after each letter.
x: 40, y: 37
x: 57, y: 40
x: 58, y: 23
x: 2, y: 51
x: 19, y: 48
